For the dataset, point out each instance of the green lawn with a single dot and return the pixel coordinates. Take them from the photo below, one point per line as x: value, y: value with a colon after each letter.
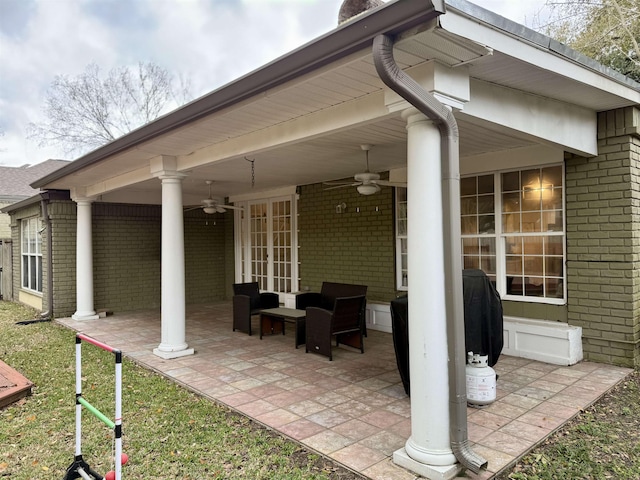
x: 169, y: 432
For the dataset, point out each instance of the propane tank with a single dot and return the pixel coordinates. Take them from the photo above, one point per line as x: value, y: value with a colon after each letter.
x: 481, y: 380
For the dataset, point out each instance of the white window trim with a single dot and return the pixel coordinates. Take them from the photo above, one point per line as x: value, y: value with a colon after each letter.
x: 25, y: 225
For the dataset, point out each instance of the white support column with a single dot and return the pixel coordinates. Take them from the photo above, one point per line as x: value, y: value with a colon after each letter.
x: 428, y: 450
x: 84, y: 262
x: 173, y: 321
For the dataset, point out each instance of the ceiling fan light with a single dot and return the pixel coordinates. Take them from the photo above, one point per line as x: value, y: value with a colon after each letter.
x: 209, y: 210
x: 367, y: 189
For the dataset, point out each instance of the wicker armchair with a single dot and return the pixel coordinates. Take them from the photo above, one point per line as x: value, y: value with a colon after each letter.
x: 344, y: 321
x: 248, y: 301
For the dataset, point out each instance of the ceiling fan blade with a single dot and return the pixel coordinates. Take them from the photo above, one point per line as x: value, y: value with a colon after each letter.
x: 342, y: 185
x: 386, y: 183
x: 335, y: 184
x: 232, y: 207
x: 189, y: 208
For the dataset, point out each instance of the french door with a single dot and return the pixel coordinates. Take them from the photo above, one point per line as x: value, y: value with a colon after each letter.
x: 266, y: 240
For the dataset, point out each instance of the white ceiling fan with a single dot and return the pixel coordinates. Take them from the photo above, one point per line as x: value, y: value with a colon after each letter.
x: 212, y: 205
x: 367, y: 183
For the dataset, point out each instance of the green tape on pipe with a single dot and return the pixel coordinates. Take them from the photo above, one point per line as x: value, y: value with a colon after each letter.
x: 96, y: 412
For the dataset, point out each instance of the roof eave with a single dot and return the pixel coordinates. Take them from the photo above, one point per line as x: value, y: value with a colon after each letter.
x: 354, y: 35
x: 531, y: 36
x: 45, y: 195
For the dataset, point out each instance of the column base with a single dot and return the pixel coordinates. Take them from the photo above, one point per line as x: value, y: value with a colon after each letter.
x: 85, y: 316
x: 168, y: 355
x: 432, y: 472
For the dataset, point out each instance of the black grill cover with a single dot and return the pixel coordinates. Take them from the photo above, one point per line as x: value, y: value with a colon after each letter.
x: 482, y: 322
x: 400, y: 326
x: 482, y: 315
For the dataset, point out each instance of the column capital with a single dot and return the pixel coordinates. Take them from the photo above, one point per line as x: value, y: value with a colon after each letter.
x: 78, y: 195
x: 450, y: 86
x: 165, y: 175
x: 165, y: 167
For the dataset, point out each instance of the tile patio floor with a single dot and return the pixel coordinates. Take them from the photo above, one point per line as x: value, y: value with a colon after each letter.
x: 354, y: 408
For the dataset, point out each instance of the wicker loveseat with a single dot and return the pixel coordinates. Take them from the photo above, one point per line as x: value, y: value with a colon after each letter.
x: 337, y: 310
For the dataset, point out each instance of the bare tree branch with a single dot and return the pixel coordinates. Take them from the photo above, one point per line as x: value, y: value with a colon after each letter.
x: 87, y: 111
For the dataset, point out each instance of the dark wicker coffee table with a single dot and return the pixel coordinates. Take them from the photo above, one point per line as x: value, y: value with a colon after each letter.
x: 272, y: 321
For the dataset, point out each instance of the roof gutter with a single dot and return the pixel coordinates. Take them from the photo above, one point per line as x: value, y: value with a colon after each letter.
x: 410, y: 90
x: 395, y: 16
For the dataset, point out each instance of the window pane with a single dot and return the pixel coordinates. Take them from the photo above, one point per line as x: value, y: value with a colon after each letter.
x: 25, y: 236
x: 471, y: 262
x: 402, y: 227
x: 39, y: 275
x: 534, y: 287
x: 514, y: 265
x: 32, y: 272
x: 553, y: 266
x: 469, y: 225
x: 488, y: 246
x: 530, y: 179
x: 486, y: 224
x: 552, y: 221
x: 468, y: 186
x: 532, y: 245
x: 552, y: 176
x: 531, y: 222
x: 511, y: 181
x: 488, y: 265
x: 468, y: 205
x: 470, y: 246
x: 553, y: 245
x: 485, y: 184
x: 486, y: 204
x: 514, y: 285
x: 511, y: 222
x: 33, y: 235
x: 531, y: 202
x: 553, y: 288
x: 511, y: 202
x: 533, y: 266
x: 25, y: 271
x: 552, y: 200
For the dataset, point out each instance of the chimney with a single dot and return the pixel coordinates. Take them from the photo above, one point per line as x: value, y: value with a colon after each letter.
x: 351, y: 8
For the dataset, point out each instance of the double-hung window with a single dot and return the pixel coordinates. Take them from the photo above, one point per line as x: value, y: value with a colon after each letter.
x: 512, y: 225
x: 513, y: 229
x: 31, y: 255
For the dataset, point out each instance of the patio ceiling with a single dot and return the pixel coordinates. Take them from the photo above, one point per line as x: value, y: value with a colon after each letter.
x: 310, y: 129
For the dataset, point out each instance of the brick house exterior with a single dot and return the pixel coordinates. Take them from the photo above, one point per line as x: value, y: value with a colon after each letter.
x: 357, y: 243
x: 603, y: 241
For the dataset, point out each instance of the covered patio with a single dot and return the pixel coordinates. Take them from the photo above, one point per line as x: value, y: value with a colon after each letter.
x: 352, y: 409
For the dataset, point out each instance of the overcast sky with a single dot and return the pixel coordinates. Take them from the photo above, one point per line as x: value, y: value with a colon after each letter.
x: 210, y: 42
